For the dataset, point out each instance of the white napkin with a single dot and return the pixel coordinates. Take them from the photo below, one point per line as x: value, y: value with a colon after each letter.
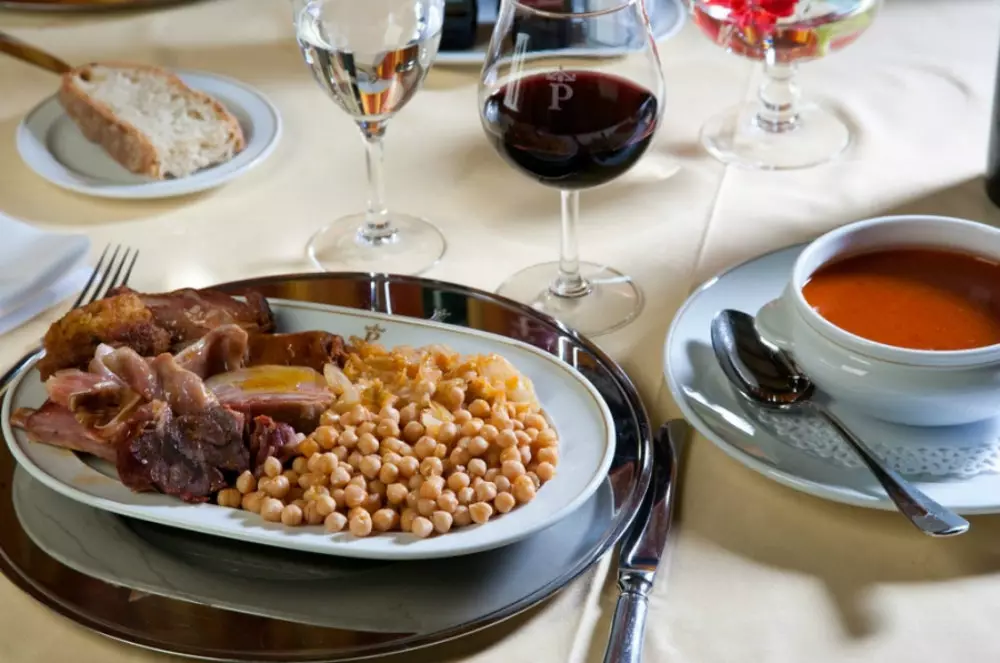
x: 68, y: 285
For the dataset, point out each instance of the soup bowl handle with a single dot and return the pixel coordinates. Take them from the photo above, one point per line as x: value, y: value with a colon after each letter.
x: 774, y: 325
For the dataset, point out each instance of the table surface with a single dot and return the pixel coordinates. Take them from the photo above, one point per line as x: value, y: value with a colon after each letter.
x: 759, y: 573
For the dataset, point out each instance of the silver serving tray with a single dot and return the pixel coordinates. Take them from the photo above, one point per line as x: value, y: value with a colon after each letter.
x: 83, y: 7
x: 193, y: 606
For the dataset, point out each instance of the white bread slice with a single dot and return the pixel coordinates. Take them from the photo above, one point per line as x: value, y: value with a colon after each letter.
x: 148, y: 120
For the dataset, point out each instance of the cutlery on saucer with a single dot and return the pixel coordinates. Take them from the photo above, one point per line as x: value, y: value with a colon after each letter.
x: 768, y: 377
x: 643, y: 546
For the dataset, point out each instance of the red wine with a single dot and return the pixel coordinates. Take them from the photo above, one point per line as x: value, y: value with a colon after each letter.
x: 571, y: 129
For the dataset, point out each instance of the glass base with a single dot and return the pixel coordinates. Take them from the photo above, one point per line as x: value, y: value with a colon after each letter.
x: 612, y: 302
x: 734, y: 137
x: 414, y: 247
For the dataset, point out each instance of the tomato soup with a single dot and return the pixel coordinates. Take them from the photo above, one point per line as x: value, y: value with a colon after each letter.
x: 921, y: 299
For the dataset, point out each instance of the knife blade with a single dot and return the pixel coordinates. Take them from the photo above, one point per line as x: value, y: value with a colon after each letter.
x: 643, y: 546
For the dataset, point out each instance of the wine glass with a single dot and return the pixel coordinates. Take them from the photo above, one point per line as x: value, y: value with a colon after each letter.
x: 778, y: 130
x: 371, y: 57
x: 571, y: 121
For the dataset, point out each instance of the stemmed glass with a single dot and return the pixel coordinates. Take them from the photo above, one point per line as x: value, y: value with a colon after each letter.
x: 572, y: 122
x: 778, y: 130
x: 371, y: 56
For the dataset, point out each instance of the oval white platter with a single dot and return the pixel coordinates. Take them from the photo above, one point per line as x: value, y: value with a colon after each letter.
x: 585, y: 425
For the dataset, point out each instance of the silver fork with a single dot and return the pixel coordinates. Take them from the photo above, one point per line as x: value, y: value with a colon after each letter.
x: 108, y: 276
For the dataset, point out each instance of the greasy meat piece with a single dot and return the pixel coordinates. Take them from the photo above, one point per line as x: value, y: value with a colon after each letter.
x: 270, y: 438
x: 295, y: 395
x: 314, y: 349
x: 150, y: 324
x: 122, y: 320
x: 126, y: 366
x: 97, y: 402
x: 55, y: 425
x: 183, y: 391
x: 220, y: 350
x: 184, y: 455
x: 189, y: 314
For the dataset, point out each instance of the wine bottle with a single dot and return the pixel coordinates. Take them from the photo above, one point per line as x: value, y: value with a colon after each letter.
x: 993, y: 158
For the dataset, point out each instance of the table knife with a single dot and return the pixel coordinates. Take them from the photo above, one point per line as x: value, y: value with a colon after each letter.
x: 643, y: 546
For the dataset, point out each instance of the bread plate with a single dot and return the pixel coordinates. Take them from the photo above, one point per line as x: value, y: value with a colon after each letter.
x: 51, y: 145
x: 573, y: 405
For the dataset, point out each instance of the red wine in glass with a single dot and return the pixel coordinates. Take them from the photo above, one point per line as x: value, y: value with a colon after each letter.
x: 571, y: 129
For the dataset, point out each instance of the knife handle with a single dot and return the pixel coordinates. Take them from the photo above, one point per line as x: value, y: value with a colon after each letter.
x: 629, y: 623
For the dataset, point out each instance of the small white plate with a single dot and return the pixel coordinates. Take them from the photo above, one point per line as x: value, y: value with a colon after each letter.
x: 666, y: 17
x: 32, y: 260
x: 958, y: 466
x: 585, y: 425
x: 51, y: 145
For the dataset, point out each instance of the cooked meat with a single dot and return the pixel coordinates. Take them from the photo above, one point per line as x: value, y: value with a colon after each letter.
x: 220, y: 350
x: 295, y: 395
x: 123, y: 320
x: 184, y: 455
x: 184, y: 391
x: 127, y: 367
x: 313, y: 349
x: 149, y: 324
x: 55, y: 425
x: 270, y: 438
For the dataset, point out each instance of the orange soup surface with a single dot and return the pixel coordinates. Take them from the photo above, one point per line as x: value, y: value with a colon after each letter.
x: 921, y: 299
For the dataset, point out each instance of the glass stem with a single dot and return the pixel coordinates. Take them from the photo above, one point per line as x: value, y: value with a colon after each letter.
x: 570, y: 283
x: 779, y: 97
x: 378, y: 227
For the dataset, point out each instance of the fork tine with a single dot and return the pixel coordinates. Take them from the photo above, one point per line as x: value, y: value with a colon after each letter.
x: 100, y: 291
x: 93, y: 275
x: 118, y: 272
x: 128, y: 272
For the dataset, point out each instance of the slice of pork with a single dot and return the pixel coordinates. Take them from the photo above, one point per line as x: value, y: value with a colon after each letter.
x: 294, y: 395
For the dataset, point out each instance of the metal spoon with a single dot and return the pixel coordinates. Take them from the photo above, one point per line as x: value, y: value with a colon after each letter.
x: 769, y: 377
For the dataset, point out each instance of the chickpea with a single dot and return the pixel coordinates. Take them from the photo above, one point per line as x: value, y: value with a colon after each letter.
x: 325, y: 505
x: 489, y: 433
x: 390, y: 457
x: 246, y: 483
x: 415, y: 482
x: 313, y: 463
x: 431, y: 467
x: 396, y: 493
x: 406, y: 518
x: 523, y: 489
x: 413, y: 431
x: 311, y: 514
x: 447, y: 501
x: 407, y: 414
x: 459, y: 456
x: 458, y: 481
x: 278, y: 487
x: 272, y: 466
x: 326, y: 437
x: 486, y: 491
x: 354, y: 460
x: 532, y: 434
x: 476, y: 481
x: 522, y: 438
x: 452, y: 397
x: 424, y: 447
x: 229, y: 497
x: 536, y: 421
x: 477, y: 467
x: 300, y: 503
x: 491, y: 474
x: 504, y: 502
x: 432, y: 487
x: 367, y: 444
x: 545, y: 471
x: 387, y: 428
x: 461, y: 517
x: 448, y: 432
x: 340, y: 477
x: 405, y: 449
x: 251, y: 501
x: 466, y: 495
x: 502, y: 483
x: 422, y: 527
x: 534, y: 479
x: 373, y: 502
x: 442, y: 521
x: 512, y: 469
x: 328, y: 462
x: 370, y: 466
x: 478, y: 446
x: 480, y: 512
x: 384, y: 520
x: 425, y: 507
x: 348, y: 439
x: 389, y: 472
x: 292, y: 476
x: 366, y: 428
x: 329, y: 418
x: 471, y: 427
x: 335, y: 522
x: 501, y: 421
x: 292, y: 515
x: 461, y: 416
x: 270, y: 509
x: 307, y: 447
x: 308, y: 480
x: 506, y: 439
x: 510, y: 453
x: 517, y: 424
x: 354, y: 495
x: 390, y: 445
x: 360, y: 524
x: 548, y: 455
x: 389, y: 412
x: 338, y: 496
x: 547, y: 438
x: 341, y: 453
x: 359, y: 414
x: 479, y: 408
x: 300, y: 465
x: 376, y: 487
